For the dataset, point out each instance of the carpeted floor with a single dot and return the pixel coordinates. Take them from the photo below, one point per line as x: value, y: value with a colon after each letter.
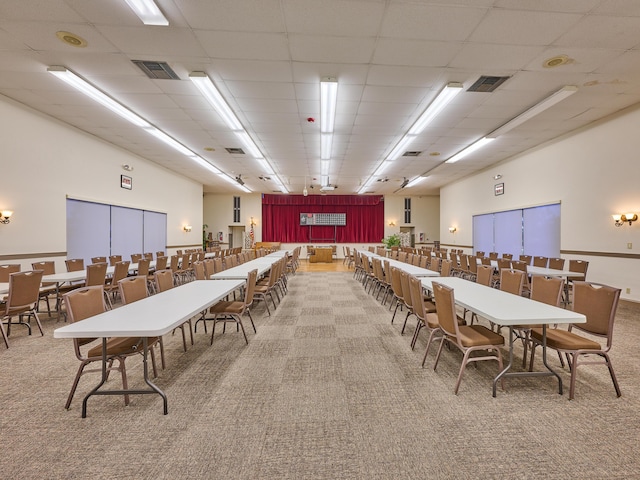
x: 327, y: 389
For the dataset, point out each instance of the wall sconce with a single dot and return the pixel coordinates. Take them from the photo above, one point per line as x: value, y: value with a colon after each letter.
x: 5, y: 215
x: 253, y: 223
x: 453, y: 229
x: 392, y: 223
x: 619, y: 220
x: 187, y: 228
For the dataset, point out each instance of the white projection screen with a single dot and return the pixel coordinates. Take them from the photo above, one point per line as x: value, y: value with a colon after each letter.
x: 100, y: 230
x: 532, y: 231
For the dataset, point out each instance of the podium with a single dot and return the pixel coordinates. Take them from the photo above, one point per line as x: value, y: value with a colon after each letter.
x: 322, y: 255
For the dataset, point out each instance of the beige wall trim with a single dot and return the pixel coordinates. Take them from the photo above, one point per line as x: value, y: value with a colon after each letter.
x: 193, y: 245
x: 633, y: 256
x: 456, y: 246
x: 22, y: 256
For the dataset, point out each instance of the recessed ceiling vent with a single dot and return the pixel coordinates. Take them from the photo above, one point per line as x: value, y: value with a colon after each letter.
x: 487, y: 84
x: 235, y: 151
x: 410, y: 153
x: 156, y: 70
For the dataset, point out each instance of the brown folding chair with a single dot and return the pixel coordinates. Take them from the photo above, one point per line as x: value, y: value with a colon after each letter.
x: 468, y: 338
x: 599, y: 304
x: 85, y: 302
x: 22, y: 300
x: 232, y: 311
x: 164, y: 280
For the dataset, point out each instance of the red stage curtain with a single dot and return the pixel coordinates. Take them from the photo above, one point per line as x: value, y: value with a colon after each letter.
x: 281, y: 218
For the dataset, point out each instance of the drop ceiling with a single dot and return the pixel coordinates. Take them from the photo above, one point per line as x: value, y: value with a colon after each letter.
x: 390, y: 57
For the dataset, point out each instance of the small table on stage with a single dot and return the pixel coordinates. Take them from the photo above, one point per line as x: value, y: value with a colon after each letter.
x: 322, y: 255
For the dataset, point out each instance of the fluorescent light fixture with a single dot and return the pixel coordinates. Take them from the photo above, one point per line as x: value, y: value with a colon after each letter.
x: 399, y: 148
x: 326, y: 143
x: 203, y: 163
x: 249, y: 143
x: 470, y: 149
x: 283, y: 189
x: 280, y: 185
x: 160, y: 135
x: 213, y: 96
x: 414, y: 182
x: 328, y: 101
x: 266, y: 167
x: 444, y: 97
x: 324, y: 180
x: 324, y: 167
x: 148, y: 12
x: 538, y: 108
x: 381, y: 169
x: 92, y: 92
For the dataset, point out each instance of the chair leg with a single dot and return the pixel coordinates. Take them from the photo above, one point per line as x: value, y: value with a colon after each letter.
x: 613, y: 375
x: 252, y: 324
x: 75, y: 384
x: 4, y: 334
x: 125, y: 385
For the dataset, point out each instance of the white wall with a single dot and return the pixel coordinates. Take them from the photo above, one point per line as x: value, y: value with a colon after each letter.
x: 218, y: 213
x: 593, y: 173
x: 425, y: 215
x: 44, y: 161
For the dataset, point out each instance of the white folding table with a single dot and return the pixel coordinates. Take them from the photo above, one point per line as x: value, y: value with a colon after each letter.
x: 508, y: 310
x: 240, y: 272
x: 152, y: 316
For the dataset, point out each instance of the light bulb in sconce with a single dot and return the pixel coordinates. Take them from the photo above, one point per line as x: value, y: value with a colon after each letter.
x: 187, y: 228
x: 5, y: 216
x: 453, y: 229
x: 392, y: 223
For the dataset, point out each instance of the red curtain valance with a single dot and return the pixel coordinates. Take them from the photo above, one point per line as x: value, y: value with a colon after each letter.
x: 268, y: 199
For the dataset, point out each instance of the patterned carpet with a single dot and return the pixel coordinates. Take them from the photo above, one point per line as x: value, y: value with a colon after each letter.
x: 327, y: 389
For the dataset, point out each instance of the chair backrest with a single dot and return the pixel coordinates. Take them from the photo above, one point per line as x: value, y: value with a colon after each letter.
x: 386, y: 268
x: 526, y: 259
x: 218, y: 264
x: 508, y: 256
x: 113, y: 259
x: 161, y: 262
x: 250, y: 287
x: 556, y: 263
x: 512, y: 281
x: 133, y: 289
x: 8, y: 269
x: 24, y: 289
x: 98, y: 259
x: 160, y: 253
x: 396, y: 282
x: 402, y: 256
x: 148, y: 255
x: 136, y: 257
x: 48, y: 267
x: 540, y: 262
x: 143, y: 266
x: 84, y: 302
x: 447, y: 318
x: 484, y: 275
x: 579, y: 266
x: 504, y: 263
x: 175, y: 263
x: 493, y: 255
x: 486, y: 261
x: 473, y: 264
x: 479, y: 253
x: 424, y: 261
x: 415, y: 260
x: 445, y: 271
x: 435, y: 264
x: 599, y: 303
x: 74, y: 264
x: 209, y: 268
x: 96, y: 274
x: 417, y: 297
x: 121, y: 271
x: 404, y: 279
x: 198, y: 269
x: 163, y: 279
x: 547, y: 289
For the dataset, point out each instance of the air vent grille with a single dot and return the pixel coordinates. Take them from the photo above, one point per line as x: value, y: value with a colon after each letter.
x: 410, y: 153
x: 235, y: 151
x: 487, y: 84
x: 156, y: 70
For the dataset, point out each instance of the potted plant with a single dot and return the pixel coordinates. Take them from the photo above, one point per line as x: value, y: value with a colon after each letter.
x: 391, y: 241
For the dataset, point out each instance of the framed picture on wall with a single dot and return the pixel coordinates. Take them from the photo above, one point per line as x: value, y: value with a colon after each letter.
x: 499, y: 189
x: 126, y: 182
